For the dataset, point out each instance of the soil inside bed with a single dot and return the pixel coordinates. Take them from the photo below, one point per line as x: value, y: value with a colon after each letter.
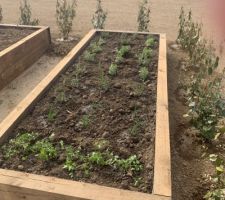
x: 116, y: 122
x: 9, y: 36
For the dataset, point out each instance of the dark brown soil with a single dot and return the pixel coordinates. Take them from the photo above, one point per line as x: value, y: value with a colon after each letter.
x: 111, y: 113
x: 9, y: 36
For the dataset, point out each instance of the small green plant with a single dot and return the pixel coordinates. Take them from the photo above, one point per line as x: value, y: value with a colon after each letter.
x: 217, y: 190
x: 98, y: 19
x: 139, y: 89
x: 25, y: 14
x: 1, y: 15
x: 21, y: 144
x: 52, y: 114
x: 70, y: 165
x: 79, y: 70
x: 61, y: 97
x: 150, y: 42
x: 143, y: 73
x: 144, y: 58
x: 136, y: 127
x: 122, y: 53
x: 65, y: 14
x: 45, y: 150
x: 124, y: 39
x: 97, y: 158
x: 113, y: 68
x: 89, y: 56
x: 103, y: 80
x: 95, y: 47
x: 143, y: 16
x: 85, y: 121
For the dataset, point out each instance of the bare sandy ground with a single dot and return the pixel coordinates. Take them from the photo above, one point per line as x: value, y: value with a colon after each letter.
x: 122, y: 14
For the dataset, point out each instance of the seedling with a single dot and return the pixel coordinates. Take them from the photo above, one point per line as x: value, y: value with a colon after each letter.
x: 124, y: 40
x: 113, y: 68
x: 21, y: 144
x: 121, y: 53
x: 98, y: 19
x: 144, y: 58
x: 103, y: 81
x: 52, y: 114
x: 95, y: 48
x: 85, y: 121
x: 1, y: 15
x: 143, y: 73
x: 61, y: 97
x: 89, y: 56
x: 150, y: 42
x: 143, y: 16
x: 25, y: 14
x: 97, y: 158
x: 139, y: 89
x: 65, y: 14
x: 70, y: 165
x: 136, y: 127
x: 45, y: 150
x: 79, y: 70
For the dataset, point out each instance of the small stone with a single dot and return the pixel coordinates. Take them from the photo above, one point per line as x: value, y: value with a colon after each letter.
x: 117, y: 85
x: 20, y: 167
x: 105, y: 134
x: 175, y: 47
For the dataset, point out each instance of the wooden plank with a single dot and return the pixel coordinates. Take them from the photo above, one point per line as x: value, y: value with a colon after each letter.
x: 18, y: 186
x: 11, y: 120
x: 21, y: 55
x: 162, y: 167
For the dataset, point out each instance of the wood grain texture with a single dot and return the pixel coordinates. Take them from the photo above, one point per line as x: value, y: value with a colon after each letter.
x: 20, y: 186
x: 162, y: 167
x: 18, y: 57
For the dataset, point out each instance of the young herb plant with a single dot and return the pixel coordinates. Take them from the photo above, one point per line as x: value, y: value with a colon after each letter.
x: 85, y: 121
x: 69, y: 164
x: 65, y: 14
x: 144, y: 58
x: 25, y: 14
x: 103, y: 80
x: 45, y: 150
x: 89, y: 56
x: 122, y: 53
x: 113, y: 68
x: 143, y: 73
x: 52, y: 113
x: 99, y: 18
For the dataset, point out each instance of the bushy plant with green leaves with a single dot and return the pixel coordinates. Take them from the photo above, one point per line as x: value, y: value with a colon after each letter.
x: 143, y: 16
x: 113, y: 68
x: 122, y: 53
x: 22, y: 144
x: 45, y: 150
x: 143, y: 73
x: 89, y: 56
x: 99, y: 18
x: 144, y: 59
x: 69, y: 164
x: 65, y: 14
x: 26, y: 14
x: 150, y: 42
x: 217, y: 190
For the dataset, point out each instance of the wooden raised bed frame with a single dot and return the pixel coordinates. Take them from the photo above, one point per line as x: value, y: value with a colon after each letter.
x: 18, y: 57
x: 18, y: 185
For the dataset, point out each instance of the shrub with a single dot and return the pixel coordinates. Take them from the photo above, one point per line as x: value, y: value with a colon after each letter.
x: 25, y: 14
x: 1, y: 16
x: 143, y: 73
x: 65, y: 14
x: 98, y: 19
x: 143, y: 16
x: 113, y: 69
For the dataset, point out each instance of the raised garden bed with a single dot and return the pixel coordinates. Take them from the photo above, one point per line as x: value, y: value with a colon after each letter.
x: 20, y: 47
x: 96, y: 123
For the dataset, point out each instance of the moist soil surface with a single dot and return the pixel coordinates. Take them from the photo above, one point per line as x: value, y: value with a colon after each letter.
x: 9, y: 36
x: 119, y: 119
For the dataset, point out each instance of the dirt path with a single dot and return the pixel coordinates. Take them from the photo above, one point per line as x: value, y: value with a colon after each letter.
x: 122, y: 14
